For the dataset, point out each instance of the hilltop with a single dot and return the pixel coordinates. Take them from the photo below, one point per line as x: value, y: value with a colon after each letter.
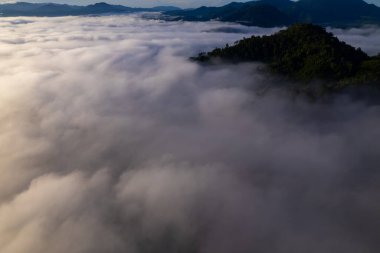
x: 304, y: 52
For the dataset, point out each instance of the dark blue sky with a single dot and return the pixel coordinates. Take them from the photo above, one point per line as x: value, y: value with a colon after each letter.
x: 181, y: 3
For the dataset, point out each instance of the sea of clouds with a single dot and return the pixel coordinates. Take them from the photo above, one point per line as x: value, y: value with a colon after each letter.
x: 112, y: 141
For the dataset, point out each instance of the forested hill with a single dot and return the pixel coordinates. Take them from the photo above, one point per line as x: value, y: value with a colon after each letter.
x: 304, y: 52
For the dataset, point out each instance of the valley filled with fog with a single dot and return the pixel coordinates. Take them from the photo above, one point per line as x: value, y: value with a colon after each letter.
x: 111, y: 140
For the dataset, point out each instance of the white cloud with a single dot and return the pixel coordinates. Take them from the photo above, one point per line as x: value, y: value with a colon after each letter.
x: 112, y: 141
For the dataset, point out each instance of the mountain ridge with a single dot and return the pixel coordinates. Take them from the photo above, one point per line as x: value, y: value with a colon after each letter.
x: 335, y: 13
x: 54, y: 9
x: 263, y: 13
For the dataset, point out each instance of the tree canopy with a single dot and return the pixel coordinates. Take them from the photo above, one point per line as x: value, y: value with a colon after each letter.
x: 303, y: 52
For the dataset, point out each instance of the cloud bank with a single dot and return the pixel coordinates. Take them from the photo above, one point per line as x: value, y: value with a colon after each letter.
x: 140, y: 3
x: 365, y: 37
x: 112, y: 141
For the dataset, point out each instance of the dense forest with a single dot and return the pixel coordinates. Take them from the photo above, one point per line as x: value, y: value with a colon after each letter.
x: 304, y: 52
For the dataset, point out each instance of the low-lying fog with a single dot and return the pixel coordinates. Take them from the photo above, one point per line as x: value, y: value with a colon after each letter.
x: 111, y: 141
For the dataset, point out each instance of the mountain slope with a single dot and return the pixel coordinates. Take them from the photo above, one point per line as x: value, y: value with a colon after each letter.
x: 304, y: 52
x: 50, y: 9
x: 282, y: 5
x: 257, y: 15
x: 284, y: 12
x: 264, y: 13
x: 165, y: 8
x: 336, y: 12
x: 251, y: 13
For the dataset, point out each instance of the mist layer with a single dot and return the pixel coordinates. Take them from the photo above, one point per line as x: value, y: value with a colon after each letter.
x: 112, y: 141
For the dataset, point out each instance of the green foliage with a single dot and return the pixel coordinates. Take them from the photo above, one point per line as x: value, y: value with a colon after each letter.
x: 370, y: 70
x: 303, y: 52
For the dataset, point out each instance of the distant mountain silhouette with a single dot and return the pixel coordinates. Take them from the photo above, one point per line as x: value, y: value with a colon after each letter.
x: 104, y: 7
x: 336, y: 12
x: 165, y: 8
x: 257, y: 14
x: 341, y: 13
x: 50, y: 9
x: 264, y: 13
x: 304, y: 52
